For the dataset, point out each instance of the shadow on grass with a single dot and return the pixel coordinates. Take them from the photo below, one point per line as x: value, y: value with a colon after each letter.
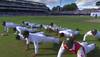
x: 45, y: 51
x: 46, y: 54
x: 52, y: 48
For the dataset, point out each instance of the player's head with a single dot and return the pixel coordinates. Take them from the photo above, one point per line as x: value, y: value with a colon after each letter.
x: 4, y: 23
x: 17, y: 37
x: 25, y: 34
x: 77, y: 29
x: 69, y: 42
x: 51, y: 24
x: 41, y: 26
x: 27, y: 24
x: 57, y: 30
x: 94, y: 31
x: 14, y: 29
x: 61, y: 35
x: 23, y: 22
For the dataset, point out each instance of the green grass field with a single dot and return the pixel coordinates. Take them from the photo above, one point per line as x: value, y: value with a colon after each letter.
x: 10, y: 47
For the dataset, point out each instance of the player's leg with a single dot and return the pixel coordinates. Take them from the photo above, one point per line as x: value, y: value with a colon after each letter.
x: 52, y: 40
x: 5, y: 29
x: 81, y: 53
x: 90, y: 47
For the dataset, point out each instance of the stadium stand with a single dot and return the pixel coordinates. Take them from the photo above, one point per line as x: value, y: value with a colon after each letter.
x: 13, y: 8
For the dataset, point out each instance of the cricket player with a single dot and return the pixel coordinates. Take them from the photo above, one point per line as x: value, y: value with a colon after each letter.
x: 93, y: 32
x: 21, y: 29
x: 32, y: 25
x: 8, y: 25
x: 80, y: 49
x: 25, y: 23
x: 37, y: 38
x: 51, y: 27
x: 68, y: 32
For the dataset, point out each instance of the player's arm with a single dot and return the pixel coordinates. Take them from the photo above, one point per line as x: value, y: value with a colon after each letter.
x: 61, y: 50
x: 87, y: 34
x: 27, y: 43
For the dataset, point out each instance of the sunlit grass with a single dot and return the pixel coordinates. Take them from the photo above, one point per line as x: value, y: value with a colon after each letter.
x: 10, y: 47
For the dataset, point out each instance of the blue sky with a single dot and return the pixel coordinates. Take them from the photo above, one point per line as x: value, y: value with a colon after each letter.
x: 82, y: 4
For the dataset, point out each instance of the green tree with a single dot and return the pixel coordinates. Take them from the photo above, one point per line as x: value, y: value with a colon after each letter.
x: 70, y: 7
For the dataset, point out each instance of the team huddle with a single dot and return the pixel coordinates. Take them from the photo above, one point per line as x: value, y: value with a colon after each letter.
x: 32, y: 33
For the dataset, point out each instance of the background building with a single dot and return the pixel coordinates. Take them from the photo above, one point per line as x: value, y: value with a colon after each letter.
x: 20, y: 7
